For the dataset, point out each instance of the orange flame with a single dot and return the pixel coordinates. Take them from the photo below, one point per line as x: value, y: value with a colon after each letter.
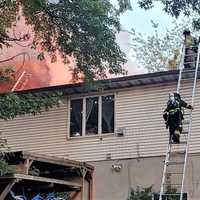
x: 42, y: 73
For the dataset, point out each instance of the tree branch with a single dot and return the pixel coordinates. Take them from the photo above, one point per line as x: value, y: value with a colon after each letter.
x: 5, y: 38
x: 2, y: 4
x: 11, y: 58
x: 27, y: 38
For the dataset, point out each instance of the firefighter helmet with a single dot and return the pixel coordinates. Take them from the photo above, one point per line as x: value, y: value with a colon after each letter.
x: 171, y: 96
x: 177, y: 96
x: 186, y: 32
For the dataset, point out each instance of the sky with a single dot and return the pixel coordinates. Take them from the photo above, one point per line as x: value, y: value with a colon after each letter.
x: 140, y: 20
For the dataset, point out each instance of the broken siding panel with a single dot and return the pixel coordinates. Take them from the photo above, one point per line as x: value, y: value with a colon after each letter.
x: 138, y: 110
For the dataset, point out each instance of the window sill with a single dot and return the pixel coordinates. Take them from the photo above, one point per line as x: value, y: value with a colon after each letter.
x: 100, y: 137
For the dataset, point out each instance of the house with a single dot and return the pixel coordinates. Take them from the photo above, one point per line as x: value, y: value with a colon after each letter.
x: 116, y: 126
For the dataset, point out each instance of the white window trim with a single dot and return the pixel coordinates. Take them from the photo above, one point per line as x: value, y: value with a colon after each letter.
x: 100, y: 134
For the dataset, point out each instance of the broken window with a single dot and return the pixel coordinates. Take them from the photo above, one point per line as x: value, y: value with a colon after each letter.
x: 92, y: 115
x: 108, y: 114
x: 76, y: 117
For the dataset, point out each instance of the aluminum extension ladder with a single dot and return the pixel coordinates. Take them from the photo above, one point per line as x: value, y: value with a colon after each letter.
x: 177, y: 154
x: 21, y: 82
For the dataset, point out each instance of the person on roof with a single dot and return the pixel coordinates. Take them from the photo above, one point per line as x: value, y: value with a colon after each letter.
x: 173, y: 116
x: 191, y: 48
x: 173, y: 62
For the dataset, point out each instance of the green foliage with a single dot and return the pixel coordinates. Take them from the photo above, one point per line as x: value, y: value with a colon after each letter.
x: 141, y: 194
x: 5, y: 168
x: 8, y: 12
x: 154, y: 51
x: 14, y: 104
x: 83, y: 28
x: 146, y: 193
x: 124, y: 5
x: 6, y: 74
x: 64, y: 195
x: 170, y: 190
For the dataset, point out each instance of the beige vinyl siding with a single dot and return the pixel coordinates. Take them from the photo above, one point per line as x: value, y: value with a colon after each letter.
x: 41, y: 133
x: 138, y: 110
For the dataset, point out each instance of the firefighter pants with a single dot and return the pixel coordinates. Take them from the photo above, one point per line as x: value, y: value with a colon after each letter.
x: 175, y: 126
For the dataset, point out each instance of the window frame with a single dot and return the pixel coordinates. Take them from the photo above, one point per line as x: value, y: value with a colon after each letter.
x: 99, y: 134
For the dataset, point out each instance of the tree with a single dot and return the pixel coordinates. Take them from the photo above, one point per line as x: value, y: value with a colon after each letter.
x: 141, y: 194
x: 82, y: 28
x: 155, y: 51
x: 147, y: 193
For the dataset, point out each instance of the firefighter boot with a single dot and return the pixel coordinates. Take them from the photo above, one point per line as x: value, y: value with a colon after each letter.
x: 176, y: 138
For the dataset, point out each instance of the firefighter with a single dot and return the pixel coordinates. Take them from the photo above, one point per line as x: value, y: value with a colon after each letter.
x: 173, y: 63
x: 191, y: 48
x: 173, y: 116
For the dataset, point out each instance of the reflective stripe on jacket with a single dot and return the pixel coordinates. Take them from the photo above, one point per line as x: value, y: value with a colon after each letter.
x: 174, y: 110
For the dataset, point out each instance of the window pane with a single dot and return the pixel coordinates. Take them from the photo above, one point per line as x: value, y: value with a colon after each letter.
x: 108, y: 114
x: 91, y: 116
x: 76, y: 117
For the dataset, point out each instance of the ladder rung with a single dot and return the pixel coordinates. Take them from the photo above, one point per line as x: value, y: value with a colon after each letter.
x: 172, y: 184
x: 177, y: 152
x: 187, y: 114
x: 187, y: 79
x: 181, y: 142
x: 174, y: 195
x: 177, y: 173
x: 184, y: 132
x: 186, y: 121
x: 171, y: 194
x: 189, y: 62
x: 189, y: 69
x: 190, y: 55
x: 174, y: 163
x: 192, y: 46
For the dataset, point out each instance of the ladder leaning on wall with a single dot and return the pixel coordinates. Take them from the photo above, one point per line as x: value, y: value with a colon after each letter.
x: 21, y: 81
x: 177, y: 154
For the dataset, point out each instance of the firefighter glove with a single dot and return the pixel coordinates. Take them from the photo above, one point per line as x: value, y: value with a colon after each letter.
x: 190, y: 107
x: 166, y: 124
